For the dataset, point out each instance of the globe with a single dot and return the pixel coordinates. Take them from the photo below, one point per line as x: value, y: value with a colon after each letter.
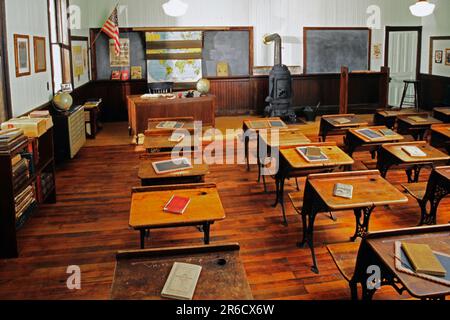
x: 203, y: 86
x: 63, y: 101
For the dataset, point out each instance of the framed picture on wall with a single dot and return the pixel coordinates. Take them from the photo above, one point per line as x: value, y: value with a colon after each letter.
x: 447, y: 57
x: 40, y: 54
x: 438, y: 56
x: 22, y: 55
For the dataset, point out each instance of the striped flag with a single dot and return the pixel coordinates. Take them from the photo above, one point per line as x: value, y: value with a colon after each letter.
x: 111, y: 28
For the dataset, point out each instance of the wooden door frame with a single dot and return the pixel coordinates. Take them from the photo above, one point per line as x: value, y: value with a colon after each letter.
x: 417, y: 29
x: 4, y: 60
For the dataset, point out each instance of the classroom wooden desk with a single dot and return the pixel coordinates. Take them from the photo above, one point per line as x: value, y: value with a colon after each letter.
x: 149, y: 177
x: 417, y: 129
x: 141, y: 275
x: 188, y: 124
x: 355, y: 140
x: 388, y: 118
x: 140, y: 110
x: 370, y: 190
x: 392, y: 154
x: 440, y: 136
x: 156, y: 143
x: 329, y: 125
x: 430, y: 194
x: 377, y: 249
x: 253, y: 126
x: 442, y: 114
x: 147, y: 206
x: 272, y: 140
x: 293, y: 165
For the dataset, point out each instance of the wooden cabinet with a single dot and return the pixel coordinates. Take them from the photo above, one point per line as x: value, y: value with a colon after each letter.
x: 70, y: 133
x: 39, y: 178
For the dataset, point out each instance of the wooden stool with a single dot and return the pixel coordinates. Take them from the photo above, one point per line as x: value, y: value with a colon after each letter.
x: 410, y: 100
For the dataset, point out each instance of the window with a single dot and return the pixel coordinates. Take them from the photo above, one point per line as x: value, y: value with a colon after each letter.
x: 60, y: 43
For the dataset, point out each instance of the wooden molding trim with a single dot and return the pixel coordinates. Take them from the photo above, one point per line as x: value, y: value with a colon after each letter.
x: 431, y: 59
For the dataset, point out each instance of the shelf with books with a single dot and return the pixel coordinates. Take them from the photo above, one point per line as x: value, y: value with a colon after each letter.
x: 24, y: 164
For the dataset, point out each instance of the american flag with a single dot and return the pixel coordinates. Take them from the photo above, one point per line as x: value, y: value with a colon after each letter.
x: 111, y: 28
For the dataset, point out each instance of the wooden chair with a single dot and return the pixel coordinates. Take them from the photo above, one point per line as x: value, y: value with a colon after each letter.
x: 431, y: 192
x: 160, y: 87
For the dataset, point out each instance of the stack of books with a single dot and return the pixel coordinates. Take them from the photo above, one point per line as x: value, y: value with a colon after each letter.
x: 90, y: 104
x: 24, y: 201
x: 20, y: 172
x: 342, y: 120
x: 32, y: 127
x: 44, y: 185
x: 11, y: 140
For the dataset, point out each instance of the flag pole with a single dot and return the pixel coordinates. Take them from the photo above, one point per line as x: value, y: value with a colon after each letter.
x: 99, y: 33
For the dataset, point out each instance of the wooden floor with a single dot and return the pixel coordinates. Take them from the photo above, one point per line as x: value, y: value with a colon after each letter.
x: 89, y: 224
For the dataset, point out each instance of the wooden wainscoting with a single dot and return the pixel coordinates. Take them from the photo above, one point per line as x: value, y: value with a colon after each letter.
x: 433, y: 91
x: 234, y: 96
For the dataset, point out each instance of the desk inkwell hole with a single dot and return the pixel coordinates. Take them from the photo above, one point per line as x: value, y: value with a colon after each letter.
x: 222, y: 262
x: 373, y: 180
x: 204, y: 193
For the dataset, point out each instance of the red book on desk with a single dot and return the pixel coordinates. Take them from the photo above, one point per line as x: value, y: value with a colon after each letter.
x: 177, y: 205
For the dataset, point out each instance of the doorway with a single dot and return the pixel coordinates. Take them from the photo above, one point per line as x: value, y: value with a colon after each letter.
x: 403, y: 57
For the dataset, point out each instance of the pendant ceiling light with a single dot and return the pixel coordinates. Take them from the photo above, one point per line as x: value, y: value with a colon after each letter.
x: 175, y: 8
x: 422, y: 8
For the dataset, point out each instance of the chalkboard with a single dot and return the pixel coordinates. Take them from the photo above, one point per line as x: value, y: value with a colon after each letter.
x: 232, y: 47
x: 327, y: 50
x: 137, y: 54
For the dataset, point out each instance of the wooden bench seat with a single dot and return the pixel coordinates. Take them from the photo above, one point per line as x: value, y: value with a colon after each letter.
x: 344, y: 256
x: 417, y: 190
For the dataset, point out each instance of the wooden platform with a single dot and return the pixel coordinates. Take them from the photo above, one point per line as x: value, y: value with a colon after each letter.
x: 89, y: 225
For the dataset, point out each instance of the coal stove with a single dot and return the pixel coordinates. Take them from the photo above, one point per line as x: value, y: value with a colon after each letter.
x: 280, y: 86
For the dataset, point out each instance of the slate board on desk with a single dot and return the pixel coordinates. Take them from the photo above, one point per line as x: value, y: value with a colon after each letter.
x: 230, y: 46
x: 137, y: 54
x: 328, y: 49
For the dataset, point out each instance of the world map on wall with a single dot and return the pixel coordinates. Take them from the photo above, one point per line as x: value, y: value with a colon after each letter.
x: 174, y: 70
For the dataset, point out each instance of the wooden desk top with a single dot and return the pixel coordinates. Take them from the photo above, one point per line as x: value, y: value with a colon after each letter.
x: 370, y: 189
x: 438, y: 238
x: 147, y: 172
x: 444, y: 172
x: 433, y: 154
x: 141, y: 275
x: 161, y: 141
x: 286, y: 137
x: 428, y: 121
x: 443, y: 110
x: 395, y: 113
x: 187, y: 121
x: 354, y: 121
x: 147, y: 206
x: 261, y: 124
x: 382, y: 139
x: 138, y: 100
x: 442, y: 129
x: 336, y: 157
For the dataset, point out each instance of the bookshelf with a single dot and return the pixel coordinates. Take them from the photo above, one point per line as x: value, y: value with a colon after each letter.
x: 40, y: 178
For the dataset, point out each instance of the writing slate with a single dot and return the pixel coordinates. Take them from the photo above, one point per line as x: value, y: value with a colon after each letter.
x: 232, y: 47
x: 327, y: 50
x: 137, y: 54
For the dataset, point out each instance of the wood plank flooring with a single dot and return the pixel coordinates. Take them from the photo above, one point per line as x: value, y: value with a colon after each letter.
x: 89, y: 224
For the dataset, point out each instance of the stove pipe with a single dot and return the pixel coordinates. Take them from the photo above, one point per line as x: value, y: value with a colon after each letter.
x: 277, y: 38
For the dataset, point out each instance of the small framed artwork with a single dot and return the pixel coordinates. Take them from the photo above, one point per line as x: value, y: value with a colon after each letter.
x: 438, y: 56
x: 40, y: 54
x: 22, y: 55
x: 447, y: 57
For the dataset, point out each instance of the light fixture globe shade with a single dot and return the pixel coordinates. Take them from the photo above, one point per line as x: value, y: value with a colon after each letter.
x: 422, y: 8
x: 175, y: 8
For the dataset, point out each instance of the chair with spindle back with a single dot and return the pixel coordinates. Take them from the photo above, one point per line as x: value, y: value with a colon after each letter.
x: 160, y: 87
